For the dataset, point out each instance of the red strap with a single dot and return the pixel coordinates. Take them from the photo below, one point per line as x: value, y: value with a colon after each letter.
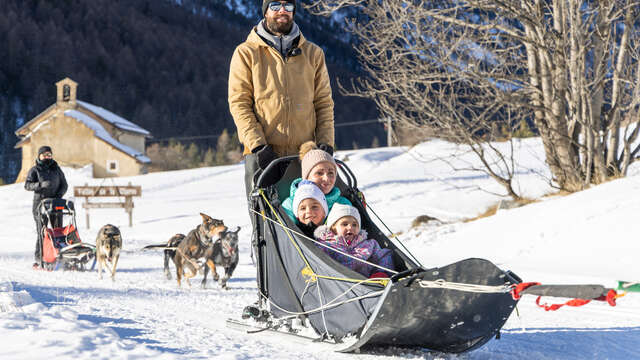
x: 554, y: 307
x: 515, y: 292
x: 610, y: 298
x: 68, y: 229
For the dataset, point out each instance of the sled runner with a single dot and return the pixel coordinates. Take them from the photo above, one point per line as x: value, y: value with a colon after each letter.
x: 61, y: 244
x: 454, y: 308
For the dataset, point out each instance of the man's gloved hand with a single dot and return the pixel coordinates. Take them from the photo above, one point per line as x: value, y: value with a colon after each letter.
x: 45, y: 184
x: 265, y: 155
x: 326, y: 147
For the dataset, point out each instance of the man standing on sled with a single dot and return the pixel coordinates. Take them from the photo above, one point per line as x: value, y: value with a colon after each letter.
x: 46, y: 180
x: 279, y: 91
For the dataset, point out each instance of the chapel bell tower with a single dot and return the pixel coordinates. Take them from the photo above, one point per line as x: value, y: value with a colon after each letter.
x: 67, y: 92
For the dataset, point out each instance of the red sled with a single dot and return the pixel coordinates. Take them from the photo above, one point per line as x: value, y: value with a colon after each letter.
x: 61, y: 244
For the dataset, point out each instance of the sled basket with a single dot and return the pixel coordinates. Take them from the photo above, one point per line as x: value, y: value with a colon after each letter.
x: 297, y: 279
x: 61, y: 243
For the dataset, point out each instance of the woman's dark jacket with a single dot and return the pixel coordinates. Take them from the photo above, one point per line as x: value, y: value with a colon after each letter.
x: 46, y: 180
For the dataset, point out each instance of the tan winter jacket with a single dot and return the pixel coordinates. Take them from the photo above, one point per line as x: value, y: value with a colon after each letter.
x: 278, y: 102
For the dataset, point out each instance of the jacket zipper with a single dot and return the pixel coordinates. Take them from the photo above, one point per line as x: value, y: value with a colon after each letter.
x: 287, y: 100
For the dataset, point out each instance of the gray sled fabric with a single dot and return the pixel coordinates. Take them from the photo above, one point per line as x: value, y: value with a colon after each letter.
x: 295, y: 292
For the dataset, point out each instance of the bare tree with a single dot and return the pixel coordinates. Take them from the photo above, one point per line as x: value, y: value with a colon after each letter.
x: 474, y: 71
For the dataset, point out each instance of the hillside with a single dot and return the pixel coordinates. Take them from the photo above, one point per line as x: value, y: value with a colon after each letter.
x: 162, y: 64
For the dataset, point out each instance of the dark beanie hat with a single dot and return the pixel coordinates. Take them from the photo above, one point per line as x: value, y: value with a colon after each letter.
x: 265, y: 5
x: 44, y: 149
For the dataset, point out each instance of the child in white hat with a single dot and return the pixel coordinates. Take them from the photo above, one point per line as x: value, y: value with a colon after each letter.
x: 311, y: 207
x: 342, y: 232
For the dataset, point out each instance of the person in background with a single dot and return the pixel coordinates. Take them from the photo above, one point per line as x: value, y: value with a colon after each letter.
x: 46, y: 180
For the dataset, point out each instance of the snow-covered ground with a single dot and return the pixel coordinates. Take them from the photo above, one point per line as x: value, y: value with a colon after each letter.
x: 584, y: 238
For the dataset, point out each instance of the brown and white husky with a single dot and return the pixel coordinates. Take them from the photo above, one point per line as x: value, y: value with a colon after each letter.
x: 108, y: 246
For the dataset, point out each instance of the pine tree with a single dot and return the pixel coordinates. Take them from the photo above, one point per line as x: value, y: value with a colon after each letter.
x: 209, y: 158
x: 234, y: 154
x: 176, y: 156
x: 157, y: 155
x: 222, y: 148
x: 193, y: 156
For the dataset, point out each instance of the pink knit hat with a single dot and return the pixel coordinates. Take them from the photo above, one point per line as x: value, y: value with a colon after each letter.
x: 313, y: 158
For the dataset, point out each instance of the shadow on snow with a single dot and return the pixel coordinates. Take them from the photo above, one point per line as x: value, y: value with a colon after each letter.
x: 135, y: 334
x: 563, y: 343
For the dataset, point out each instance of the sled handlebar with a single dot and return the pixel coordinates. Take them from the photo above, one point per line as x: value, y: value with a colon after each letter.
x: 352, y: 182
x: 264, y: 175
x: 56, y: 204
x: 270, y: 168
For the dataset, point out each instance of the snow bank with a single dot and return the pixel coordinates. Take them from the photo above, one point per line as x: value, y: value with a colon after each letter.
x: 30, y: 330
x: 588, y: 237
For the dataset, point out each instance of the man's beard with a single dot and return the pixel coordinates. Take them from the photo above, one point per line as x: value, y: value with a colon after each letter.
x: 279, y: 28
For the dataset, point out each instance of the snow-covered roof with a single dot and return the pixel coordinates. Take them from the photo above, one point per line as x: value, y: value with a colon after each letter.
x: 102, y: 134
x: 117, y: 121
x: 25, y: 127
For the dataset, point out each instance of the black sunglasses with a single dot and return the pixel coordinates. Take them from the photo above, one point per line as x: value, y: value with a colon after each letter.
x: 276, y: 6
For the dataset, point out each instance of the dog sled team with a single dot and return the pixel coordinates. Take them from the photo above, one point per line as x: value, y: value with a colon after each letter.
x: 58, y: 242
x: 319, y: 258
x: 210, y: 242
x: 316, y: 207
x: 314, y: 204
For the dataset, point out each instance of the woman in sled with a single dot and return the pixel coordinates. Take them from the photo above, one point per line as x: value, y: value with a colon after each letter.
x: 319, y: 167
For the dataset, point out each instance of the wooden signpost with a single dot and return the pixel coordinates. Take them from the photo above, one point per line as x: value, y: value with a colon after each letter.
x: 125, y: 192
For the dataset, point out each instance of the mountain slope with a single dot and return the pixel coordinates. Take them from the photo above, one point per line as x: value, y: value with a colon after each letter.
x: 164, y: 65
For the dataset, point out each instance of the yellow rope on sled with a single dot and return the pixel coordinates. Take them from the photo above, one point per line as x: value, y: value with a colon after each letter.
x: 307, y: 271
x: 288, y: 233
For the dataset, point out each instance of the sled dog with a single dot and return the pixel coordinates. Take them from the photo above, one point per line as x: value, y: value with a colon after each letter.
x: 170, y: 254
x: 108, y: 246
x: 224, y: 252
x: 169, y: 251
x: 194, y: 246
